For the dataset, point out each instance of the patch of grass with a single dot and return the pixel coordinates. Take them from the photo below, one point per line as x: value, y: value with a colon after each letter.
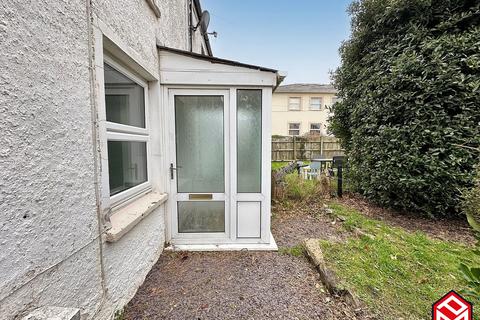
x: 298, y: 188
x: 295, y: 251
x: 396, y: 273
x: 278, y: 164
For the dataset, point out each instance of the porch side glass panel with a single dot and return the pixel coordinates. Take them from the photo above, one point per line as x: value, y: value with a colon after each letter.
x: 249, y: 141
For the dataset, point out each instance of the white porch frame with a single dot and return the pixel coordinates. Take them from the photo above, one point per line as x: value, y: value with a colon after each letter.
x: 168, y: 91
x: 190, y: 74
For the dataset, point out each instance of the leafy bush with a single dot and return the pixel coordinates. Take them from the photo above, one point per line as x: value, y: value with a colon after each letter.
x: 471, y: 207
x: 410, y: 94
x: 471, y: 203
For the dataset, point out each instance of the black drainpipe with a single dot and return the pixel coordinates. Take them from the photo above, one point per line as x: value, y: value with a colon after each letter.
x: 190, y: 26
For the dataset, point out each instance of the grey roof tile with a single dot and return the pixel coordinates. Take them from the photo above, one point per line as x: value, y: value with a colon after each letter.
x: 306, y: 88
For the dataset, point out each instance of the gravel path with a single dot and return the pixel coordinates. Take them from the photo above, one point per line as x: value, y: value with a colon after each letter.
x: 243, y: 285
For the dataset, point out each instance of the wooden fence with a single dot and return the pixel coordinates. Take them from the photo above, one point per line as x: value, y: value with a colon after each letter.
x: 305, y: 148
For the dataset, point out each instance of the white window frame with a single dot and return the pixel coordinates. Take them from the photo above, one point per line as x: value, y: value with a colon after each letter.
x: 299, y: 104
x: 299, y: 127
x: 122, y: 132
x: 319, y: 107
x: 319, y: 131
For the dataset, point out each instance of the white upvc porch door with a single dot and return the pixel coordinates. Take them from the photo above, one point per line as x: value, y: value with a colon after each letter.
x: 200, y: 166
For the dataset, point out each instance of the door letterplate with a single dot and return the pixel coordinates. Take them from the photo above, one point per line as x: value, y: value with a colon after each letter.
x: 200, y: 196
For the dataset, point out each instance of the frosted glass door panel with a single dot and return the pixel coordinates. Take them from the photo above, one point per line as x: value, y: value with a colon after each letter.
x: 199, y: 127
x: 249, y: 141
x: 201, y: 216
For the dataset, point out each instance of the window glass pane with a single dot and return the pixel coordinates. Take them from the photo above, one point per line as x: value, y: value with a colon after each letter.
x: 249, y: 140
x: 294, y: 126
x: 315, y: 126
x: 200, y: 144
x: 316, y: 103
x: 201, y: 216
x: 124, y: 99
x: 294, y: 103
x: 127, y: 164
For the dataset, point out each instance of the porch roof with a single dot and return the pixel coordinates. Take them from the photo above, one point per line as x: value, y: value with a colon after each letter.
x: 279, y: 76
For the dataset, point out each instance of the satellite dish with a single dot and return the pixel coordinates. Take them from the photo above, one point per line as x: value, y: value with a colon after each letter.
x: 204, y: 21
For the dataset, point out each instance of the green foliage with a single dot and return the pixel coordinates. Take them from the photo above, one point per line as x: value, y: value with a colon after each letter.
x: 278, y: 165
x: 297, y: 188
x: 471, y: 203
x: 471, y: 207
x: 119, y: 315
x: 397, y: 273
x: 410, y: 88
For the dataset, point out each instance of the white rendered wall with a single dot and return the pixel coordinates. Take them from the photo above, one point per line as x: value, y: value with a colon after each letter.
x: 50, y: 249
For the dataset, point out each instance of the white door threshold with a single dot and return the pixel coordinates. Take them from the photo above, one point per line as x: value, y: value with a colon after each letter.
x: 272, y: 246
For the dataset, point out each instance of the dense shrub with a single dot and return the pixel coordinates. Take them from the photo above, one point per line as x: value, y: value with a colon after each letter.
x: 471, y: 203
x: 471, y: 207
x: 410, y: 88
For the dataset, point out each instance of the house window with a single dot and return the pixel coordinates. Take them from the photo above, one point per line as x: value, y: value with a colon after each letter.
x: 127, y: 132
x: 294, y: 129
x: 316, y: 103
x: 315, y: 128
x: 294, y: 103
x: 334, y: 99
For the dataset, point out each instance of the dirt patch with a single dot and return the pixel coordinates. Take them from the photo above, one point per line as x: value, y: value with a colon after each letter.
x: 266, y: 285
x: 454, y: 230
x: 296, y: 222
x: 244, y: 285
x: 233, y: 285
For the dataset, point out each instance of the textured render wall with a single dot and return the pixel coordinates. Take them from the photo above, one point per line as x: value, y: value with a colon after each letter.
x: 281, y: 116
x: 134, y: 23
x: 48, y: 223
x: 128, y: 261
x: 49, y: 250
x: 172, y: 30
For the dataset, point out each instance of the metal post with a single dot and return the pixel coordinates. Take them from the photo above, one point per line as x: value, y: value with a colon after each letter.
x: 340, y: 181
x: 338, y: 162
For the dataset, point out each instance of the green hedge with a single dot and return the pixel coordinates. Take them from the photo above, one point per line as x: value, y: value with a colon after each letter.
x: 410, y: 88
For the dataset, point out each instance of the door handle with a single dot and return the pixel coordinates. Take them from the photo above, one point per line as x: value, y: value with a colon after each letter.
x: 172, y: 168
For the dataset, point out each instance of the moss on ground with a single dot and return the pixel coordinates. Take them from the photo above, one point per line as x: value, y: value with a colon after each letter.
x: 295, y: 251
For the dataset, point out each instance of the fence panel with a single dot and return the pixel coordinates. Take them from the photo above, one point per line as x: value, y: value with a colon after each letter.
x: 305, y: 148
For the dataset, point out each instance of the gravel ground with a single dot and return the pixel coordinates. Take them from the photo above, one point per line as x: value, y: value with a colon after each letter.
x: 265, y: 285
x: 244, y: 285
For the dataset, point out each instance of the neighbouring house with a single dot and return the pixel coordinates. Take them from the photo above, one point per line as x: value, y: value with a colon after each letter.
x: 121, y: 134
x: 302, y: 108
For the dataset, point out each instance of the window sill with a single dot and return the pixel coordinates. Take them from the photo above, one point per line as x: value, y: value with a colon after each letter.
x: 129, y: 216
